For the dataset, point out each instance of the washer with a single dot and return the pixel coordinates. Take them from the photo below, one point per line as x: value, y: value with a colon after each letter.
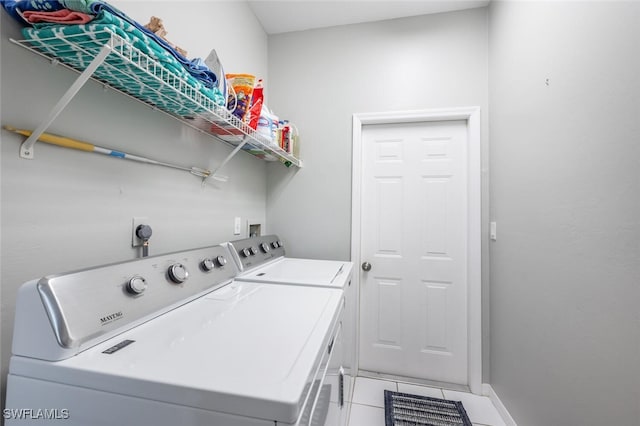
x: 174, y: 339
x: 263, y: 259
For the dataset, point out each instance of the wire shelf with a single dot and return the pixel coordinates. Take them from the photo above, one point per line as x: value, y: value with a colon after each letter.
x: 161, y: 84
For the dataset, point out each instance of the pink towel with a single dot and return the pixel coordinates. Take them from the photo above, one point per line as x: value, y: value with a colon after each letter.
x: 62, y: 16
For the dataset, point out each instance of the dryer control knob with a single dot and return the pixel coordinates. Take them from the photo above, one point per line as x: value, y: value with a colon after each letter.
x: 254, y: 251
x: 275, y: 245
x: 246, y: 252
x: 178, y: 273
x: 221, y: 261
x: 280, y: 243
x: 136, y: 285
x: 265, y: 247
x: 207, y: 265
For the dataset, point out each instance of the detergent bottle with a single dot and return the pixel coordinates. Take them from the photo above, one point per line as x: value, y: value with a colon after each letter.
x: 257, y: 101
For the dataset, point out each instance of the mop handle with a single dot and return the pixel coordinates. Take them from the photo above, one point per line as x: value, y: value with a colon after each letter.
x: 86, y: 146
x: 70, y: 143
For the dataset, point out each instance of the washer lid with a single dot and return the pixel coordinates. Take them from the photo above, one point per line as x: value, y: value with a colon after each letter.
x: 326, y: 273
x: 248, y: 349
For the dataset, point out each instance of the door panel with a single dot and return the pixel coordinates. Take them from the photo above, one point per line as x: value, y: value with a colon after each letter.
x: 414, y: 233
x: 389, y: 303
x: 389, y: 214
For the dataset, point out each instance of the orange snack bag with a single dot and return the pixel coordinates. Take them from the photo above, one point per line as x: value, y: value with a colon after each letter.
x: 243, y: 86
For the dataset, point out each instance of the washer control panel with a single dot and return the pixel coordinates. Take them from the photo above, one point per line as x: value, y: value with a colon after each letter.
x: 86, y: 304
x: 251, y: 252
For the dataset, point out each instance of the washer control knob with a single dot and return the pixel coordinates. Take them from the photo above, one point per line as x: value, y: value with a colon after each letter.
x: 265, y: 247
x: 178, y: 273
x: 246, y: 252
x: 220, y: 261
x: 207, y: 264
x: 275, y: 245
x: 136, y: 285
x: 254, y: 251
x: 280, y: 244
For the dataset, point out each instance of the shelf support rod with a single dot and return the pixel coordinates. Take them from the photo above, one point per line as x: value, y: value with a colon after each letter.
x: 226, y: 160
x: 26, y: 149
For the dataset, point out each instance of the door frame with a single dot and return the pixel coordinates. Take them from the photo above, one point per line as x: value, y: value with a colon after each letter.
x: 474, y: 282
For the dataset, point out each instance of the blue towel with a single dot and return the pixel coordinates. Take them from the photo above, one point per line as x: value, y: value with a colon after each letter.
x: 199, y: 71
x: 195, y: 67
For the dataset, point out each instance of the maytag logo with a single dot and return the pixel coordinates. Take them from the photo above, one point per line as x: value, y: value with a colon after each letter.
x: 111, y: 318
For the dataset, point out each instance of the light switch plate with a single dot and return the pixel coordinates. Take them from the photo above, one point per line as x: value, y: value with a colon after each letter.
x: 493, y: 231
x: 237, y: 226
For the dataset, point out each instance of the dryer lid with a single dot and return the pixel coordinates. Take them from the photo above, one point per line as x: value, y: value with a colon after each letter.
x: 327, y: 273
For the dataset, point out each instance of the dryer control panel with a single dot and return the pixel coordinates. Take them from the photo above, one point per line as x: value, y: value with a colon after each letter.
x: 251, y: 252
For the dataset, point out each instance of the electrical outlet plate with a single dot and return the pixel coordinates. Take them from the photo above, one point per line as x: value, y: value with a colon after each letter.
x: 137, y: 221
x: 237, y: 225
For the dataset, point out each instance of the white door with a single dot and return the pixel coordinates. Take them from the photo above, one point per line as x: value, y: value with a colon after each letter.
x: 414, y: 234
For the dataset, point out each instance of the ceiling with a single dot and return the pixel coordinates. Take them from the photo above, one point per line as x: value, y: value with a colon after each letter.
x: 281, y: 16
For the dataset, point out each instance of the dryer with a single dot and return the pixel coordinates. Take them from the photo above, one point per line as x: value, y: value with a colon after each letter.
x: 263, y: 259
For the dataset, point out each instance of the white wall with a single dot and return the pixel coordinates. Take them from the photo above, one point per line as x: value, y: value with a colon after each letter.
x: 320, y: 78
x: 565, y: 192
x: 67, y: 209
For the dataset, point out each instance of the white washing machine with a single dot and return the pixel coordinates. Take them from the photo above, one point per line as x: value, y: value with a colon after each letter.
x: 263, y: 259
x: 174, y: 340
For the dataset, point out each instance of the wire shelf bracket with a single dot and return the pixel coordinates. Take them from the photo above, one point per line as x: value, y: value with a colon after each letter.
x: 27, y: 147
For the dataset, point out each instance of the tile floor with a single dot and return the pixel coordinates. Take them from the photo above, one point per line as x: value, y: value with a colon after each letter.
x: 367, y: 408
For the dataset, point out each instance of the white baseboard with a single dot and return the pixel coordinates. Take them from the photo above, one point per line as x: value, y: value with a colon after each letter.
x: 488, y: 391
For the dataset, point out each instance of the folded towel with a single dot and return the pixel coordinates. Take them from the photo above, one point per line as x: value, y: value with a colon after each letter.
x: 120, y: 72
x: 79, y: 5
x: 93, y: 7
x: 14, y: 7
x: 62, y: 16
x: 200, y: 71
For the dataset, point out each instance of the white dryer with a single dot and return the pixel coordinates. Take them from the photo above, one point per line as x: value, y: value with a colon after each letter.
x: 173, y: 340
x: 263, y: 259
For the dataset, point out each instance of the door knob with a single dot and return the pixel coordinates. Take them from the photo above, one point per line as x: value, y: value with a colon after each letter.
x: 366, y: 266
